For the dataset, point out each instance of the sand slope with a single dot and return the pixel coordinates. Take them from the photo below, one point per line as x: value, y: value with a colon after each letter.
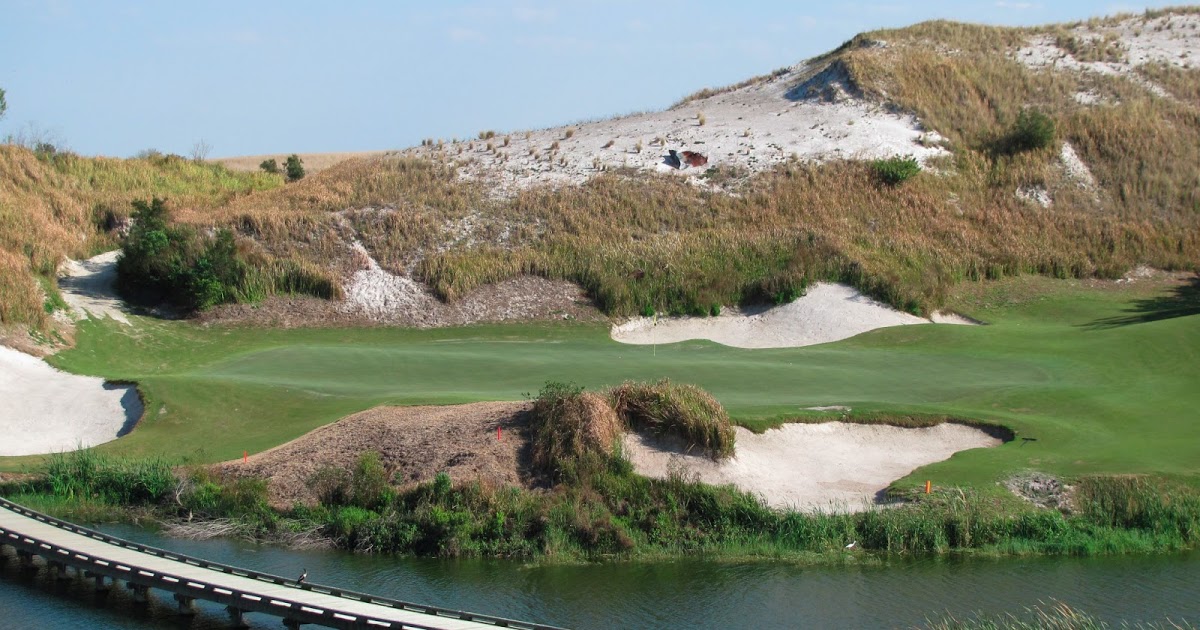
x: 832, y: 467
x: 828, y: 312
x: 43, y: 410
x: 88, y: 286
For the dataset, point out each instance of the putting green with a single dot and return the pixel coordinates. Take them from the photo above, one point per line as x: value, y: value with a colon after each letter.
x: 1056, y: 364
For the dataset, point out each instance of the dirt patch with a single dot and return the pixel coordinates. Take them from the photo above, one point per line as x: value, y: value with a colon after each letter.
x: 1043, y: 491
x: 831, y: 467
x: 415, y: 443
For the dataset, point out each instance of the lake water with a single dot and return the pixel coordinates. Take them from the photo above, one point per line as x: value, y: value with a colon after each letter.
x: 682, y: 594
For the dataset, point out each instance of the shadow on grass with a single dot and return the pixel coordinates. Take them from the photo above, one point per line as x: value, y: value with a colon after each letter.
x: 1181, y: 301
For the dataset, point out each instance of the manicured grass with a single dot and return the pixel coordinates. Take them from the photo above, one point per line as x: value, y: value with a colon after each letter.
x: 1056, y: 364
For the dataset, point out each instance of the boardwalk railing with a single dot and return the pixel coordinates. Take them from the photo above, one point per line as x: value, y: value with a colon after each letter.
x: 100, y: 555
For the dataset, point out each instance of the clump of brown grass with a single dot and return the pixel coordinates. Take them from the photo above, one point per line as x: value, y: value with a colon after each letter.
x: 685, y: 411
x: 574, y: 431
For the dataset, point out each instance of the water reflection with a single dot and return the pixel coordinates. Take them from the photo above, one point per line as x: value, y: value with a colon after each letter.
x: 692, y: 594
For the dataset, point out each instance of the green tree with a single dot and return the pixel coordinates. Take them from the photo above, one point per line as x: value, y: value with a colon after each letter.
x: 161, y: 262
x: 270, y: 166
x: 294, y: 167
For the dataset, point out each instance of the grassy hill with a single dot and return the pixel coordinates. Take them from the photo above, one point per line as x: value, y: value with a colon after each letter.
x: 1115, y: 187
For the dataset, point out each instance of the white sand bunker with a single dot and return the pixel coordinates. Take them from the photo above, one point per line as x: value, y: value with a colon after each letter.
x: 828, y: 312
x: 88, y: 286
x: 831, y: 467
x: 43, y: 410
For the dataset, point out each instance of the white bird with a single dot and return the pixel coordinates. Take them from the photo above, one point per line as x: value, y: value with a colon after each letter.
x: 851, y: 545
x: 303, y: 576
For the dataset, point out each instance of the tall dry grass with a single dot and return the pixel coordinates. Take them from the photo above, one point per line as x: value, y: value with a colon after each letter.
x: 55, y: 205
x: 672, y: 409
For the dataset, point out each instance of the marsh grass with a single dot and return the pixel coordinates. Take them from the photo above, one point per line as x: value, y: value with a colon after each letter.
x: 612, y: 512
x: 1058, y: 616
x: 90, y: 475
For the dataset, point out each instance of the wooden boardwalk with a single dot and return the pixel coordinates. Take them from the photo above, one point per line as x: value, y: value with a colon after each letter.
x: 100, y: 556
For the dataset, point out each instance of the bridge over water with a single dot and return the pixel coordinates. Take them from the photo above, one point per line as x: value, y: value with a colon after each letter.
x: 107, y: 559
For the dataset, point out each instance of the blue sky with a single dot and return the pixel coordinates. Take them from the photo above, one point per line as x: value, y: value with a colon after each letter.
x: 263, y: 77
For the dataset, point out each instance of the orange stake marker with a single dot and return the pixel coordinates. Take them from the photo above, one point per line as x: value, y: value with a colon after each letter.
x: 245, y: 456
x: 497, y: 434
x: 928, y: 486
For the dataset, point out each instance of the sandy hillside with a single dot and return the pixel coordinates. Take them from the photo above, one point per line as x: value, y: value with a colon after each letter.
x: 44, y: 410
x: 827, y: 312
x: 377, y: 296
x: 810, y: 111
x: 807, y: 112
x: 832, y: 467
x: 415, y: 443
x: 1121, y: 49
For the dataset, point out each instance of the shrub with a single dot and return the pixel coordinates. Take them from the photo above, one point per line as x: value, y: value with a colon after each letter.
x: 172, y: 263
x: 270, y: 166
x: 685, y: 411
x: 896, y: 170
x: 294, y: 167
x: 1032, y: 130
x: 369, y: 486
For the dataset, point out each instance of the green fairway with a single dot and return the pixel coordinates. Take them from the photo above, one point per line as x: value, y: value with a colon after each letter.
x: 1100, y: 395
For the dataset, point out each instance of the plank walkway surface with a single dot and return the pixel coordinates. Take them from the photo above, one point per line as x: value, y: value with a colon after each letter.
x: 63, y: 544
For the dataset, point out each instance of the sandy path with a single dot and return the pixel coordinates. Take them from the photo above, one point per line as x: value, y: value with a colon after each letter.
x: 88, y: 286
x: 43, y: 410
x: 828, y: 312
x: 832, y: 467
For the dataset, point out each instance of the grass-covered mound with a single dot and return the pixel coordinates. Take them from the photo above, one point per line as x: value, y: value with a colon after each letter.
x: 577, y: 433
x: 671, y: 409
